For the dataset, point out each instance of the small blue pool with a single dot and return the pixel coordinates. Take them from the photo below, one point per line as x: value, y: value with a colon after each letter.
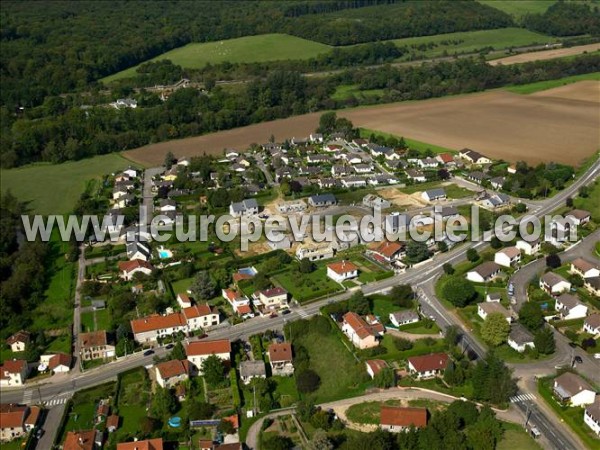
x: 247, y: 271
x: 175, y: 422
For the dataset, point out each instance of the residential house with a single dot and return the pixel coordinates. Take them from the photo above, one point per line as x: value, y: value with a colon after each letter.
x: 416, y: 176
x: 57, y: 363
x: 396, y: 222
x: 486, y: 308
x: 378, y: 180
x: 170, y: 373
x: 579, y: 216
x: 327, y: 183
x: 280, y: 358
x: 474, y: 157
x: 497, y: 182
x: 317, y: 158
x: 374, y: 366
x: 591, y: 324
x: 321, y: 200
x: 373, y: 201
x: 340, y: 171
x: 571, y: 389
x: 279, y: 242
x: 553, y: 283
x: 315, y: 252
x: 496, y: 201
x: 82, y: 440
x: 508, y: 257
x: 316, y: 138
x: 520, y: 338
x: 274, y: 298
x: 239, y: 303
x: 148, y: 444
x: 477, y: 176
x: 18, y: 342
x: 386, y: 152
x: 592, y: 285
x: 200, y: 317
x: 198, y: 351
x: 184, y: 300
x: 484, y: 272
x: 427, y: 163
x: 148, y: 329
x: 585, y: 268
x: 530, y: 248
x: 445, y: 159
x: 570, y: 307
x: 246, y: 207
x: 427, y: 366
x: 17, y: 420
x: 13, y: 372
x: 360, y: 333
x: 493, y: 297
x: 354, y: 182
x: 252, y: 369
x: 389, y: 251
x: 138, y: 250
x: 128, y: 269
x: 131, y: 172
x: 431, y: 195
x: 591, y: 416
x: 342, y: 271
x: 95, y: 345
x: 112, y: 423
x: 292, y: 206
x: 397, y: 419
x: 400, y: 318
x: 362, y: 168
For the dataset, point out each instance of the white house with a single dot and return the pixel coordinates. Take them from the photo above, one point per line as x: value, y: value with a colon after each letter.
x: 579, y: 216
x: 374, y: 366
x: 519, y: 338
x: 148, y: 329
x: 585, y: 268
x: 200, y: 317
x: 167, y: 205
x: 252, y: 369
x: 529, y: 247
x: 315, y: 252
x: 138, y: 250
x: 434, y: 194
x: 184, y: 300
x: 493, y: 297
x: 573, y: 390
x: 427, y: 366
x: 592, y: 324
x: 484, y: 272
x: 240, y: 303
x: 244, y: 208
x: 474, y: 157
x: 280, y: 358
x: 17, y: 420
x: 170, y: 373
x: 273, y: 298
x: 400, y: 318
x: 57, y: 363
x: 19, y: 341
x: 553, y: 283
x: 416, y: 175
x: 13, y: 372
x: 570, y: 307
x: 591, y: 416
x: 350, y: 182
x: 397, y: 419
x: 486, y: 308
x: 373, y: 201
x: 342, y: 270
x: 322, y: 200
x: 198, y: 351
x: 508, y: 256
x: 128, y: 269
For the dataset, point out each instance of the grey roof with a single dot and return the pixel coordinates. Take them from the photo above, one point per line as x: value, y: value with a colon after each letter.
x: 551, y: 278
x: 572, y: 384
x: 437, y: 192
x: 167, y: 202
x: 252, y: 368
x: 593, y: 282
x: 478, y: 175
x: 497, y: 180
x: 448, y: 211
x: 519, y: 334
x: 494, y: 295
x: 137, y: 246
x: 569, y: 301
x: 593, y: 410
x: 403, y: 316
x: 397, y: 221
x: 323, y: 198
x: 593, y: 320
x: 486, y: 269
x: 244, y: 205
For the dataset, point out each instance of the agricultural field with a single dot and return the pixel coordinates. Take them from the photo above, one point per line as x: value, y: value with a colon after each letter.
x: 546, y: 54
x: 518, y: 8
x: 54, y: 188
x: 248, y: 49
x: 551, y: 84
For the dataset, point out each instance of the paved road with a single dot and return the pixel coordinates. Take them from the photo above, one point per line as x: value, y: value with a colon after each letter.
x: 147, y: 194
x: 50, y: 426
x: 263, y: 167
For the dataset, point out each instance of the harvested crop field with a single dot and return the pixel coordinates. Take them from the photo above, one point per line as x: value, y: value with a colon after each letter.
x: 559, y: 124
x: 546, y: 54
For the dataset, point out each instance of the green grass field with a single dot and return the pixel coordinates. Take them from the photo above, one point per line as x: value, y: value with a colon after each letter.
x: 345, y: 91
x: 248, y: 49
x: 54, y: 188
x: 591, y: 202
x: 515, y: 437
x: 518, y: 8
x: 414, y: 144
x: 306, y: 286
x: 472, y: 41
x: 550, y: 84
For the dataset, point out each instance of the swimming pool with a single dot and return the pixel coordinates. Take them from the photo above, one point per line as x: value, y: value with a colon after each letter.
x: 163, y: 253
x: 248, y: 271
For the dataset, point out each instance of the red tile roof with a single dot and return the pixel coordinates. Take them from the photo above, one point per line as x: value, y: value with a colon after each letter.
x: 446, y: 157
x: 197, y: 348
x: 79, y: 440
x: 389, y: 249
x: 433, y: 361
x: 33, y: 416
x: 11, y: 415
x: 12, y: 366
x: 197, y: 311
x: 157, y: 322
x: 377, y: 365
x: 403, y: 417
x: 60, y: 359
x: 274, y: 292
x: 342, y: 267
x: 93, y: 339
x: 280, y: 352
x: 358, y: 324
x: 241, y: 276
x: 244, y: 309
x: 19, y: 336
x: 128, y: 266
x: 149, y: 444
x: 112, y: 421
x: 173, y: 368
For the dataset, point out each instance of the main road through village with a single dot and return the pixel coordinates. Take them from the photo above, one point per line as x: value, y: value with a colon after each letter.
x: 554, y: 433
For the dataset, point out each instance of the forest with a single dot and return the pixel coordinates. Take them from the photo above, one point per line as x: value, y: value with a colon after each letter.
x: 60, y: 130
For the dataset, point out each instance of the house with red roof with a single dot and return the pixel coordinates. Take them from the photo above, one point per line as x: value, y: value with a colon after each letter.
x: 396, y: 419
x: 150, y: 328
x: 274, y: 298
x: 361, y: 333
x: 202, y: 316
x: 13, y: 372
x: 198, y: 351
x: 170, y: 373
x: 389, y: 251
x: 342, y: 271
x: 57, y: 363
x: 17, y: 420
x: 127, y: 269
x: 147, y: 444
x: 239, y: 303
x: 374, y: 366
x: 19, y: 341
x: 427, y: 366
x: 280, y: 358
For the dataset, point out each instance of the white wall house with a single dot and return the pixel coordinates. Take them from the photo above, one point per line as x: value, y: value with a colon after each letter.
x: 198, y: 351
x: 554, y: 284
x: 571, y: 389
x: 570, y: 307
x: 529, y: 248
x: 591, y: 416
x: 341, y: 271
x: 507, y: 257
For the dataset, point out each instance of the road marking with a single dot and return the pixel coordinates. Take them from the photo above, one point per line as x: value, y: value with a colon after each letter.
x: 27, y: 396
x: 522, y: 398
x: 302, y: 313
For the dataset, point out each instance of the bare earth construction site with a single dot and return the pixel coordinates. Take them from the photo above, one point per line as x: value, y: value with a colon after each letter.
x: 559, y: 124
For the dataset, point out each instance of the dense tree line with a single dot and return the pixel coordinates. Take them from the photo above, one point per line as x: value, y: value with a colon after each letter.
x: 60, y: 132
x: 50, y: 48
x: 566, y: 19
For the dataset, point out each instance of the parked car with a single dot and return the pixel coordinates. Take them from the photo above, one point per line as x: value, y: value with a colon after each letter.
x: 149, y: 352
x: 273, y: 315
x: 597, y: 355
x: 169, y: 346
x: 285, y: 311
x: 578, y: 360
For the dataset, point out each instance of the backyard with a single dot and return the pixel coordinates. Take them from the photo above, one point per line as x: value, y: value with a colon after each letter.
x: 307, y: 286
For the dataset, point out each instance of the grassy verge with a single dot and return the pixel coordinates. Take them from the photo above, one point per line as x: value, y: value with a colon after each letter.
x: 549, y: 84
x: 412, y: 143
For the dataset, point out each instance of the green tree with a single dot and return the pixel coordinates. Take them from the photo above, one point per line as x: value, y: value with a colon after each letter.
x: 277, y: 442
x: 327, y: 123
x: 164, y: 402
x: 495, y: 329
x: 486, y: 432
x: 442, y: 246
x: 385, y: 378
x: 451, y: 336
x: 178, y: 352
x: 472, y: 255
x: 320, y: 441
x: 492, y: 381
x: 496, y: 243
x: 261, y: 281
x: 448, y: 269
x: 307, y: 381
x: 213, y: 370
x: 200, y: 410
x: 402, y: 344
x: 203, y: 287
x: 402, y: 295
x: 226, y: 427
x: 170, y: 160
x: 416, y: 252
x: 306, y: 266
x: 531, y: 316
x: 544, y: 341
x: 466, y: 412
x: 553, y: 261
x: 458, y: 291
x: 359, y: 304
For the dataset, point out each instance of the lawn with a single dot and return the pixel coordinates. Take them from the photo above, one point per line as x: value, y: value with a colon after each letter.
x: 346, y: 91
x: 368, y: 412
x: 47, y: 187
x: 452, y: 190
x: 285, y: 391
x: 518, y: 8
x: 515, y: 437
x: 81, y: 414
x: 248, y: 49
x: 307, y: 286
x: 419, y: 328
x: 133, y: 397
x: 183, y: 285
x: 411, y: 143
x: 102, y: 320
x: 471, y: 41
x: 382, y: 306
x: 420, y: 347
x: 591, y: 203
x: 550, y: 84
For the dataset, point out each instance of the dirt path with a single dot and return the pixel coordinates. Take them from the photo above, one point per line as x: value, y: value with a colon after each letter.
x: 411, y: 336
x: 545, y: 54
